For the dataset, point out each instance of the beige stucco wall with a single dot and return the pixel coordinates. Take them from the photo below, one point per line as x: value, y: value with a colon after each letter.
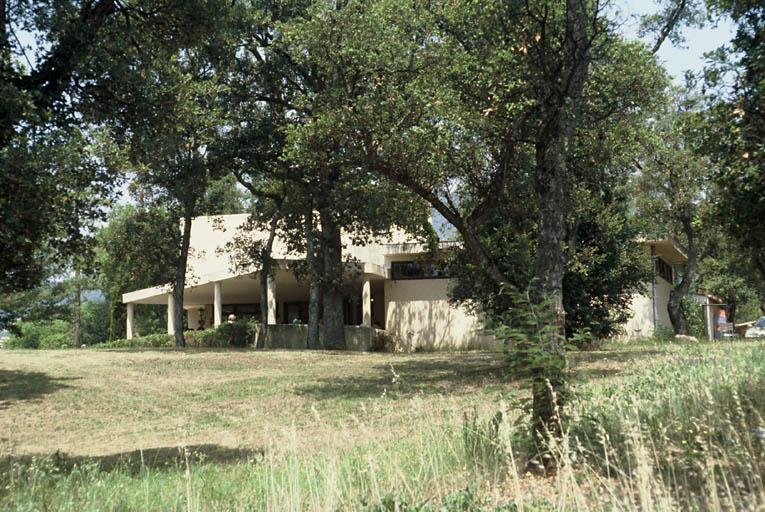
x: 641, y: 323
x: 419, y: 313
x: 210, y: 235
x: 662, y: 299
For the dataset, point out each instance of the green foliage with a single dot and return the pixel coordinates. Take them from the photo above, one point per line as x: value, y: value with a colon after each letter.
x: 208, y: 338
x: 531, y: 336
x: 52, y: 334
x: 127, y: 263
x: 148, y: 341
x: 734, y: 131
x: 55, y: 168
x: 605, y: 268
x: 222, y: 197
x: 727, y: 271
x: 695, y: 317
x: 240, y: 333
x: 48, y: 301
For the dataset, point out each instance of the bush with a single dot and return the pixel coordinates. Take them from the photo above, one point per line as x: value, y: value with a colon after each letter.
x: 52, y: 334
x: 234, y: 334
x: 149, y: 341
x: 212, y: 338
x: 238, y: 334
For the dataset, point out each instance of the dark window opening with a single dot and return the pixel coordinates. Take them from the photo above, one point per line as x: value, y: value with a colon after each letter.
x: 419, y: 270
x: 664, y: 270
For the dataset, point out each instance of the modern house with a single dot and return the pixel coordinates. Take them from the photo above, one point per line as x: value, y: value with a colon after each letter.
x: 392, y: 287
x: 649, y: 309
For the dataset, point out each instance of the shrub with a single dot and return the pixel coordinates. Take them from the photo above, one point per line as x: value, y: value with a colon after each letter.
x: 149, y: 341
x: 212, y: 338
x: 52, y: 334
x: 238, y: 334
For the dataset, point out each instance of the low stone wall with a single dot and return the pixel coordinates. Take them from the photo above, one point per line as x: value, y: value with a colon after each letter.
x: 290, y: 336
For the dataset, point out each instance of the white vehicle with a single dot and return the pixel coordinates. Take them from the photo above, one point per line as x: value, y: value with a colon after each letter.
x: 757, y: 330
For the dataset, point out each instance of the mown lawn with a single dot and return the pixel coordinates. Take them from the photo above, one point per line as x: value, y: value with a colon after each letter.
x: 279, y: 430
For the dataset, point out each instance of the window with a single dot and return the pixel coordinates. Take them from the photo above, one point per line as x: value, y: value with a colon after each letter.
x: 664, y: 270
x: 419, y: 270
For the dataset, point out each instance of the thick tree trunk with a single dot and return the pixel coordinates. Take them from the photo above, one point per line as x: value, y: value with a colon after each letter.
x: 560, y: 112
x: 548, y: 378
x: 77, y: 308
x: 265, y: 272
x: 180, y: 278
x: 676, y: 313
x: 314, y: 291
x: 331, y: 250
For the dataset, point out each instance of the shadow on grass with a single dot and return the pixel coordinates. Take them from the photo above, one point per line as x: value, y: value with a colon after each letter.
x: 616, y: 356
x: 133, y: 462
x: 452, y: 374
x: 17, y: 386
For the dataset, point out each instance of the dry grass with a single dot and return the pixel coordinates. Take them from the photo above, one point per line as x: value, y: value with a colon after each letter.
x: 649, y: 427
x: 95, y: 403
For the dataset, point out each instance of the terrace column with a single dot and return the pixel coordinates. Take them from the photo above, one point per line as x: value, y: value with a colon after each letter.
x: 218, y: 304
x: 130, y: 318
x: 170, y: 314
x: 366, y: 303
x: 271, y: 300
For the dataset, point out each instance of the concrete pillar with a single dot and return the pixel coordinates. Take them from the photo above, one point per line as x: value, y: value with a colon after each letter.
x: 130, y: 319
x: 217, y: 304
x: 271, y: 298
x: 170, y: 313
x: 366, y: 303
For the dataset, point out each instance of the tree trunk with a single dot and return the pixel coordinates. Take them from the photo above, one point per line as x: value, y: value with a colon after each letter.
x: 180, y: 278
x: 331, y: 249
x: 548, y: 377
x: 676, y: 313
x: 265, y: 272
x: 77, y: 308
x: 560, y: 112
x: 314, y: 291
x: 731, y: 313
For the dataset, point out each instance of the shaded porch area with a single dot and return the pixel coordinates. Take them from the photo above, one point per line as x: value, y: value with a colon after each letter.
x: 212, y: 299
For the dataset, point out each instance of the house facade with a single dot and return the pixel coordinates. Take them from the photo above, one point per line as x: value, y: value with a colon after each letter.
x: 391, y: 286
x: 649, y: 309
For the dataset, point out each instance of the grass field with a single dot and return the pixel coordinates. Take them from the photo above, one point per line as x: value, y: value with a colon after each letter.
x: 648, y: 427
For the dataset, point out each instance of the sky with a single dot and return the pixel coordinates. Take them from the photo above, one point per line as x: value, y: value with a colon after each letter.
x: 678, y: 59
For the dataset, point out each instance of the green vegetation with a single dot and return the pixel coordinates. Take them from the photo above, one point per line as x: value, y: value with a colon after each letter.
x: 652, y: 426
x: 519, y: 122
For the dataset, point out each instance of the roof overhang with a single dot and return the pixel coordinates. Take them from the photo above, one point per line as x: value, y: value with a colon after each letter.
x: 669, y: 249
x: 238, y: 284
